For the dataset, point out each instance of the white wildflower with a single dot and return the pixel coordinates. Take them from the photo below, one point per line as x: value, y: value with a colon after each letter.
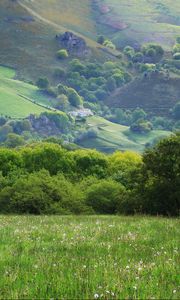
x: 96, y: 296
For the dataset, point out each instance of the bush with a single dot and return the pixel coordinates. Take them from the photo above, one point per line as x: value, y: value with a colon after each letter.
x: 62, y: 54
x: 59, y: 73
x: 42, y: 83
x: 74, y: 98
x: 39, y: 193
x: 177, y: 56
x: 105, y: 196
x: 101, y: 39
x: 14, y: 140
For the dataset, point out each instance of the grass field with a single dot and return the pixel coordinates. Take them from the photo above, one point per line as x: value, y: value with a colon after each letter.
x: 147, y: 21
x: 101, y: 257
x: 113, y: 136
x: 14, y: 95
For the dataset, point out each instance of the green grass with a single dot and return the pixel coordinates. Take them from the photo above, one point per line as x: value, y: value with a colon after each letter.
x: 113, y: 136
x: 148, y: 21
x: 13, y: 94
x: 87, y: 257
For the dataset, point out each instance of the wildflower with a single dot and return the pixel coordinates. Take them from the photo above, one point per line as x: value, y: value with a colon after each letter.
x: 135, y: 287
x: 96, y: 296
x: 127, y: 267
x: 174, y: 291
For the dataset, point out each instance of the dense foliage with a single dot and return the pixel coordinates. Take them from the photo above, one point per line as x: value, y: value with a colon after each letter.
x: 45, y: 178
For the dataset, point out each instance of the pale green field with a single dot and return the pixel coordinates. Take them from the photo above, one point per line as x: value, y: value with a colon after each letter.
x: 148, y: 21
x: 113, y: 136
x: 12, y: 92
x: 89, y: 257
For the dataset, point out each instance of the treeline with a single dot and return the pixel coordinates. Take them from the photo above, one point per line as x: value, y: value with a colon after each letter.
x: 45, y: 178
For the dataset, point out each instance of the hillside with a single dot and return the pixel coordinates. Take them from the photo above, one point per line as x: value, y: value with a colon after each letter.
x: 119, y: 73
x: 155, y: 94
x: 136, y: 22
x: 19, y: 99
x: 112, y: 137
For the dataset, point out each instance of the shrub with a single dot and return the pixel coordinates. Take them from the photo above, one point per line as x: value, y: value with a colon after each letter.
x: 74, y: 98
x: 101, y: 39
x: 109, y: 44
x: 14, y: 140
x: 177, y: 56
x: 59, y: 73
x: 42, y: 83
x: 105, y: 196
x: 141, y: 126
x: 39, y: 193
x: 62, y: 54
x: 176, y: 111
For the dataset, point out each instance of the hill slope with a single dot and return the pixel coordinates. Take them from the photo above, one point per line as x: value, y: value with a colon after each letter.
x: 139, y: 21
x: 113, y: 137
x: 17, y: 97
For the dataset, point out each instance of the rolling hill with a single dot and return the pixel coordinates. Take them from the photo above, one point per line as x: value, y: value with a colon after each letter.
x: 19, y: 99
x: 136, y: 22
x: 113, y: 137
x: 29, y: 42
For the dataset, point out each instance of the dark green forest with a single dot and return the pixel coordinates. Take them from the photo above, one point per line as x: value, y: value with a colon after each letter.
x: 46, y: 178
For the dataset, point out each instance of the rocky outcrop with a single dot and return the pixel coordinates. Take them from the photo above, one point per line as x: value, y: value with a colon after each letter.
x: 73, y: 43
x: 43, y: 125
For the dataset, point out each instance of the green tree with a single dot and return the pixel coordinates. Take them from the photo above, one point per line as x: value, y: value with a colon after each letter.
x: 14, y: 140
x: 176, y: 111
x: 160, y: 188
x: 74, y: 98
x: 42, y: 83
x: 105, y: 196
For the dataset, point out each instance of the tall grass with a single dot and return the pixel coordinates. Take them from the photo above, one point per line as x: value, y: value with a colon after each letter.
x: 88, y: 257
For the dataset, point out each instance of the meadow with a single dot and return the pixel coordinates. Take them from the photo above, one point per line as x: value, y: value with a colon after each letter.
x: 89, y: 257
x: 16, y: 97
x: 146, y: 21
x: 113, y: 136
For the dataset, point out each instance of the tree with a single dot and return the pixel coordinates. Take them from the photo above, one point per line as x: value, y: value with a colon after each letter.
x: 3, y: 120
x: 111, y: 84
x: 109, y: 44
x: 176, y: 111
x: 74, y: 98
x: 105, y: 196
x: 14, y: 140
x: 160, y: 188
x: 62, y: 102
x: 62, y: 89
x: 42, y: 83
x: 176, y: 48
x: 141, y: 126
x: 76, y: 66
x: 138, y: 114
x: 4, y: 131
x: 176, y: 56
x: 101, y: 39
x: 62, y: 54
x: 59, y: 73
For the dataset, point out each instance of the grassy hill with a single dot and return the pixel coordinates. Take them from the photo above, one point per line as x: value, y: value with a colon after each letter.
x: 113, y: 136
x: 139, y: 21
x: 155, y: 94
x: 16, y: 97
